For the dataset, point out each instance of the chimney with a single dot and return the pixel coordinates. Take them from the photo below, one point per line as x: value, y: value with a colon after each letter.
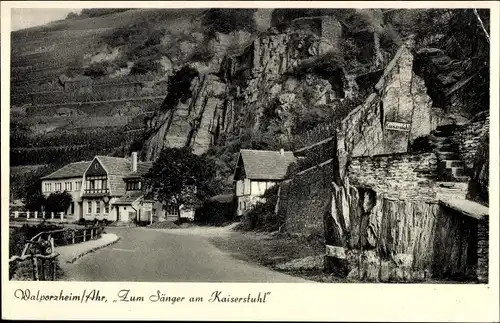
x: 282, y: 152
x: 134, y: 161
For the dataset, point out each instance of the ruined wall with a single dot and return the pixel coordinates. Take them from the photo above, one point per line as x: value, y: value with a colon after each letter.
x: 306, y: 201
x: 378, y: 238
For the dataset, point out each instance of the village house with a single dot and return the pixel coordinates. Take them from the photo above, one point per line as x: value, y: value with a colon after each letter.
x: 256, y: 171
x: 110, y: 188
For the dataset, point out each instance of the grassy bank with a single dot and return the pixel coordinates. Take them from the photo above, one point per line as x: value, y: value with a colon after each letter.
x: 281, y: 252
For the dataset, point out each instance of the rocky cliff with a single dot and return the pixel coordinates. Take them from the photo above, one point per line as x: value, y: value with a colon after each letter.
x: 268, y: 85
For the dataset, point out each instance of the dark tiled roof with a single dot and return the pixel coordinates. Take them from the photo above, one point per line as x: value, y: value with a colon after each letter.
x: 142, y: 169
x: 266, y: 164
x: 115, y: 165
x: 129, y: 197
x: 71, y: 170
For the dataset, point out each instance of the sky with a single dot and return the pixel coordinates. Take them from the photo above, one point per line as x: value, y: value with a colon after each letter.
x: 30, y: 17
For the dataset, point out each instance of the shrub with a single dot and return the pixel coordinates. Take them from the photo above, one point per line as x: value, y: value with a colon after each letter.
x: 261, y: 216
x: 145, y: 65
x: 95, y: 70
x: 202, y: 53
x: 214, y: 213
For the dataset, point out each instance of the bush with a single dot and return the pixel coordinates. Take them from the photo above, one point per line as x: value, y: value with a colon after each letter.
x: 262, y: 217
x: 145, y: 65
x: 214, y: 213
x: 96, y: 70
x: 201, y: 53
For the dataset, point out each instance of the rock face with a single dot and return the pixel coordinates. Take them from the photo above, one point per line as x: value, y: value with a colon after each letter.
x: 391, y: 118
x: 387, y: 239
x: 234, y: 91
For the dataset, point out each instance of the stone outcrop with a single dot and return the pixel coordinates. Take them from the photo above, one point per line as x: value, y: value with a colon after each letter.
x: 399, y: 100
x: 379, y: 238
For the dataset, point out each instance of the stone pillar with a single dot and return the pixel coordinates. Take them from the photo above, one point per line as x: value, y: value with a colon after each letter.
x: 16, y: 214
x: 61, y: 214
x: 482, y: 250
x: 43, y: 214
x: 27, y: 214
x: 35, y: 214
x: 52, y: 215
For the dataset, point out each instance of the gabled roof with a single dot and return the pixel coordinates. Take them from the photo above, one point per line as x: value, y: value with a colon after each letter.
x: 69, y: 171
x: 142, y: 169
x: 115, y: 165
x: 266, y: 164
x: 116, y: 168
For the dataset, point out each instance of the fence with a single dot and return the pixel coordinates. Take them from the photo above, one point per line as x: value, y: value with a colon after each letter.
x: 41, y: 216
x: 42, y: 252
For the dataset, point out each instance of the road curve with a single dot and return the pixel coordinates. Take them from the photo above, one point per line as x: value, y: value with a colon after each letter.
x: 145, y: 255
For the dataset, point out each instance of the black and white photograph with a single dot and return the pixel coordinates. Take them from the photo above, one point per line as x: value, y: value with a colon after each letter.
x: 249, y: 145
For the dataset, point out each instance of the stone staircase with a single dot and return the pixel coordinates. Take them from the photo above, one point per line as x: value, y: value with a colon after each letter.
x: 450, y: 167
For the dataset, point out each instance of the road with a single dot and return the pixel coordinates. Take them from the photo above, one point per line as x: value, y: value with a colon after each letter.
x: 148, y: 255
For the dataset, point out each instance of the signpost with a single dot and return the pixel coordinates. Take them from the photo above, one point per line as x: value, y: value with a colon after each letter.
x: 397, y: 126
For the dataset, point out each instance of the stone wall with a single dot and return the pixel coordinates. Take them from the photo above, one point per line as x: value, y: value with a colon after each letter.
x: 373, y: 237
x: 469, y: 138
x: 483, y: 250
x: 306, y: 201
x: 396, y: 174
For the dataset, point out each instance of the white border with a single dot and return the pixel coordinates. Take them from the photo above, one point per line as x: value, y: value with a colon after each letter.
x: 322, y: 302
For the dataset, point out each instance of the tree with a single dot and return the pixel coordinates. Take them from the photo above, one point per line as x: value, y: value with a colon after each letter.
x: 179, y: 177
x: 58, y: 202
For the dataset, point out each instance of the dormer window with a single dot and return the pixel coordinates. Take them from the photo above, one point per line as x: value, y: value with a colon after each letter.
x: 134, y: 185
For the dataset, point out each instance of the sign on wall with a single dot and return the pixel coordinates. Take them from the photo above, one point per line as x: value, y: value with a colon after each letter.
x: 397, y: 126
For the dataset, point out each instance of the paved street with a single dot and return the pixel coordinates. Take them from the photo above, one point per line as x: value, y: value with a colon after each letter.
x: 145, y: 255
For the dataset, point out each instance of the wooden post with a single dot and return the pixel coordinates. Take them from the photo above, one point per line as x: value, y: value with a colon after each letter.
x: 16, y: 214
x: 35, y: 214
x: 36, y: 277
x: 73, y: 237
x: 42, y: 269
x: 84, y: 235
x: 54, y: 268
x: 43, y: 214
x: 27, y: 214
x: 62, y: 216
x: 52, y: 215
x: 92, y: 234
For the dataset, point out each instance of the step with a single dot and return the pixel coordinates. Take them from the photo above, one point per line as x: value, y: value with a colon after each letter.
x: 447, y: 127
x: 463, y: 179
x: 447, y: 155
x: 457, y: 171
x: 443, y: 140
x: 447, y: 163
x: 452, y: 185
x: 447, y: 148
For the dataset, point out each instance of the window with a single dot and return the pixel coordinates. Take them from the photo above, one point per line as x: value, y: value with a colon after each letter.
x: 134, y: 185
x: 58, y: 187
x: 68, y: 186
x: 89, y: 207
x: 172, y: 210
x: 48, y: 187
x: 78, y: 185
x: 106, y: 208
x: 97, y: 206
